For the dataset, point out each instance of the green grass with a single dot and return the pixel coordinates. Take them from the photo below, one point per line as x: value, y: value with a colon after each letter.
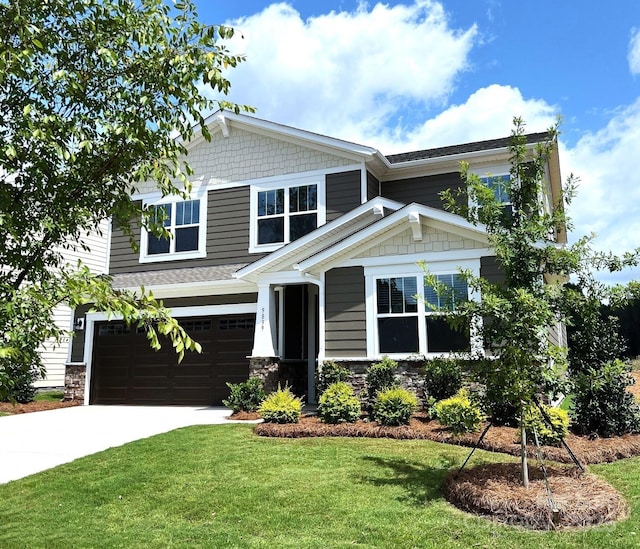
x: 222, y: 486
x: 49, y: 396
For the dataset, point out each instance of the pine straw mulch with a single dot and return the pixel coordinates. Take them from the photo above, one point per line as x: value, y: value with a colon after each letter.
x: 495, y: 490
x: 497, y: 439
x: 36, y: 406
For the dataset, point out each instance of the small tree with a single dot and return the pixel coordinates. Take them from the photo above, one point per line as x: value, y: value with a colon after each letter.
x: 95, y: 97
x: 522, y: 361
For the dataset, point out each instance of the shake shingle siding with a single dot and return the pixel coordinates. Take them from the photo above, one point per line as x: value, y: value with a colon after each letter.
x: 343, y: 193
x: 424, y: 190
x: 345, y: 325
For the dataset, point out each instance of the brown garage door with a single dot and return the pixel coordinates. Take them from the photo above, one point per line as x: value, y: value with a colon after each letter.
x: 125, y: 370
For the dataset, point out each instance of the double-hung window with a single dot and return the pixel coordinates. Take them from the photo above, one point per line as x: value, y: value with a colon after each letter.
x: 500, y: 185
x: 183, y: 220
x: 286, y: 214
x: 441, y: 338
x: 410, y: 316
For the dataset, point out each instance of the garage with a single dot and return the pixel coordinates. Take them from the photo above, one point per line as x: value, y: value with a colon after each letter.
x: 125, y: 370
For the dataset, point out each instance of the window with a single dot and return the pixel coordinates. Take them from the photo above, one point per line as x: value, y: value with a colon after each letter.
x: 397, y: 309
x: 499, y: 184
x: 183, y: 221
x: 286, y: 214
x: 441, y: 338
x: 406, y: 324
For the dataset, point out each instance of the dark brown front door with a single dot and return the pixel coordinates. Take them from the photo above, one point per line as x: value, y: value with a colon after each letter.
x: 125, y: 370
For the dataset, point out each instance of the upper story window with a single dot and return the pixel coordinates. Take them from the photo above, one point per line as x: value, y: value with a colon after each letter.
x: 499, y: 184
x: 285, y: 212
x: 184, y: 219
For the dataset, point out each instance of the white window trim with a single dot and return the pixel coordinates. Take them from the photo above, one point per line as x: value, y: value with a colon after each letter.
x: 286, y: 184
x: 403, y: 270
x: 177, y: 256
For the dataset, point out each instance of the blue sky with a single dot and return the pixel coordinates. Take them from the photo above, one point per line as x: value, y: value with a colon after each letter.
x: 415, y: 74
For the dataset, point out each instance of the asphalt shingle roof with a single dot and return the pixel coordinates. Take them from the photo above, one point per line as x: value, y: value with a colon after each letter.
x: 176, y: 276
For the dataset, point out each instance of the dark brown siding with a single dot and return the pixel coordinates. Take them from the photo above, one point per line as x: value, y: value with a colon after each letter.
x: 424, y: 190
x: 343, y: 193
x: 345, y: 324
x: 227, y: 237
x: 373, y: 186
x: 490, y: 270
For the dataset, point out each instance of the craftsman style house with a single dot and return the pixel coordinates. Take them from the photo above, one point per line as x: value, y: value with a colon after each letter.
x: 293, y: 248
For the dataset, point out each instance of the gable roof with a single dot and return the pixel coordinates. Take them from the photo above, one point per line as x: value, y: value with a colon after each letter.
x: 346, y: 236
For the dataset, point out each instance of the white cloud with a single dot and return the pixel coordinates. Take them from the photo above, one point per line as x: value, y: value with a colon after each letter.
x: 487, y: 114
x: 608, y: 199
x: 634, y: 52
x: 347, y: 74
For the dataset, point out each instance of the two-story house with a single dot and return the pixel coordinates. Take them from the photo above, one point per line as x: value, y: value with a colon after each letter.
x: 293, y: 248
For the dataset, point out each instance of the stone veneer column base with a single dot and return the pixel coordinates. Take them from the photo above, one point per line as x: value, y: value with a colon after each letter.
x: 75, y: 376
x: 267, y: 369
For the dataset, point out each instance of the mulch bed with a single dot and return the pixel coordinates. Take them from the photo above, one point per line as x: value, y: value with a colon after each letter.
x: 495, y: 490
x: 498, y: 439
x: 36, y: 406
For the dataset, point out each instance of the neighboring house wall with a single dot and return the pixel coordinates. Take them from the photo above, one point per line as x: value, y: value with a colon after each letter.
x: 55, y: 358
x: 424, y: 190
x: 247, y: 155
x: 343, y: 193
x: 345, y: 325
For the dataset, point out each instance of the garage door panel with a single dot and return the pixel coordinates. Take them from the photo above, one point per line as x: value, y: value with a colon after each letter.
x: 126, y: 370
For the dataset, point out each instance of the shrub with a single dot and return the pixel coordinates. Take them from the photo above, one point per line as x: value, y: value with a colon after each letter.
x: 380, y: 377
x: 23, y: 377
x: 601, y: 403
x: 394, y: 406
x: 459, y: 413
x: 329, y: 372
x: 338, y: 404
x: 552, y: 434
x: 442, y: 377
x: 245, y: 396
x: 281, y: 406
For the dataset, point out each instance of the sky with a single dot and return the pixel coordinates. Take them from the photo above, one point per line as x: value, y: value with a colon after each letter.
x: 416, y: 74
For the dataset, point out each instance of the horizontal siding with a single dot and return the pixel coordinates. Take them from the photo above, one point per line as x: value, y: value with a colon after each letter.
x: 423, y: 190
x: 343, y: 193
x: 345, y: 315
x: 373, y: 186
x: 227, y: 237
x: 54, y: 357
x: 490, y: 270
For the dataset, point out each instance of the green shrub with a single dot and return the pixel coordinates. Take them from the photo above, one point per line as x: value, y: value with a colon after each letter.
x: 394, y: 406
x: 328, y: 373
x: 245, y: 396
x: 22, y: 379
x: 281, y: 406
x: 459, y: 413
x: 339, y: 404
x: 442, y: 377
x: 602, y: 405
x: 548, y: 435
x: 380, y: 377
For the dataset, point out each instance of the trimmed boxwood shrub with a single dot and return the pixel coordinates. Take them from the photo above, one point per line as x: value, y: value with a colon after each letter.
x: 550, y: 435
x: 328, y: 373
x: 339, y: 404
x: 245, y: 396
x: 459, y: 413
x: 442, y: 377
x: 281, y: 406
x: 394, y: 406
x: 380, y: 377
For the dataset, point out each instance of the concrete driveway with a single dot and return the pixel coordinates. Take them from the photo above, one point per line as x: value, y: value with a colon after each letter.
x: 30, y: 443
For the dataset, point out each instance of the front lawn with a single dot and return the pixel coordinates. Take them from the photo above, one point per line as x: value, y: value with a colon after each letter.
x: 222, y: 486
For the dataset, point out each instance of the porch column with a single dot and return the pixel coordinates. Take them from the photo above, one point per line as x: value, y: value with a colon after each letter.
x: 264, y: 338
